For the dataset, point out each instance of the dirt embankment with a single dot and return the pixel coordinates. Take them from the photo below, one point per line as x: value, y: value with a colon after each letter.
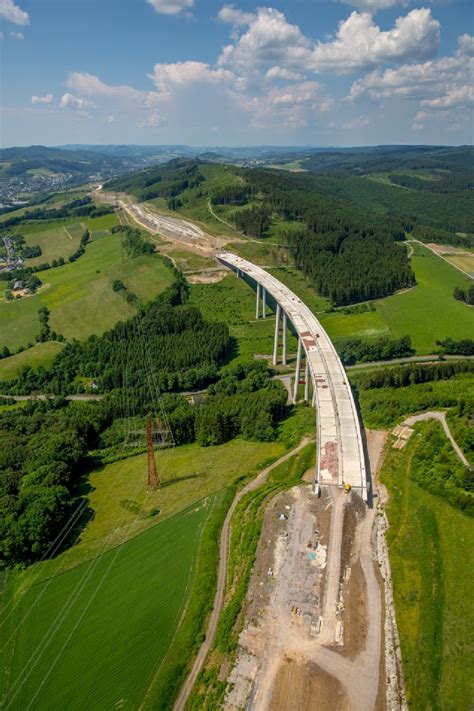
x: 304, y: 686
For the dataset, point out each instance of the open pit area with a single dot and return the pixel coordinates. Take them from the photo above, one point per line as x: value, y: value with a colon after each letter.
x: 315, y: 625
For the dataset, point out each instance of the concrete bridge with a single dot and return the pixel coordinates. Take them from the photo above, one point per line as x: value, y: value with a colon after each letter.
x: 340, y: 450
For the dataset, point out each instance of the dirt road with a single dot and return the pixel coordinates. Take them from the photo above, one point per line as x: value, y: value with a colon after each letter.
x: 441, y: 256
x: 222, y: 576
x: 441, y: 417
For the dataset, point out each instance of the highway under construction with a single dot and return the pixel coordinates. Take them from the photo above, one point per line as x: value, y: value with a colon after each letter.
x: 340, y: 450
x: 317, y: 564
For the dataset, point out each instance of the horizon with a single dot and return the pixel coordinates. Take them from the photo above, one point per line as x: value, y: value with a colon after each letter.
x: 306, y: 146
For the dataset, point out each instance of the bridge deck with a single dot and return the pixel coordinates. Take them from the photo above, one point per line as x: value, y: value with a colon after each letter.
x: 340, y: 449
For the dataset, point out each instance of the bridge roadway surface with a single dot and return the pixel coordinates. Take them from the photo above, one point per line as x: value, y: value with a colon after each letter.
x: 340, y: 450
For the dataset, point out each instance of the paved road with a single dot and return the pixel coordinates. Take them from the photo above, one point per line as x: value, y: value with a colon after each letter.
x: 441, y: 417
x: 222, y: 576
x: 408, y: 359
x: 71, y: 398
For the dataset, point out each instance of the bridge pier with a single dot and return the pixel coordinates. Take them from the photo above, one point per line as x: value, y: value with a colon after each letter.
x: 257, y: 307
x: 277, y: 335
x: 298, y: 371
x: 306, y: 381
x: 264, y: 302
x: 283, y: 360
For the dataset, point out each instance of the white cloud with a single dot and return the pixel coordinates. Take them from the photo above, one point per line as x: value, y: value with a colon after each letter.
x: 91, y: 85
x: 360, y: 43
x: 13, y: 13
x: 167, y: 77
x: 269, y: 39
x: 47, y: 99
x: 17, y: 35
x: 289, y: 107
x: 235, y: 17
x: 429, y: 80
x: 456, y: 96
x: 282, y: 73
x: 69, y: 101
x: 358, y: 122
x: 374, y: 5
x: 171, y: 7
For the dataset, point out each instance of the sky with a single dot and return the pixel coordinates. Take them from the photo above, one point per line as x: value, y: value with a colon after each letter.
x: 207, y: 73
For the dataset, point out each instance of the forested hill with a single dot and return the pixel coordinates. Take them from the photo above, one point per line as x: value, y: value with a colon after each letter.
x: 18, y: 162
x: 349, y: 253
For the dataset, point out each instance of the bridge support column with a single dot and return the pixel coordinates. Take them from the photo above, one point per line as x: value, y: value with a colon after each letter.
x: 264, y: 299
x: 306, y: 381
x: 298, y: 371
x: 313, y: 399
x: 237, y: 273
x: 257, y: 308
x: 277, y: 334
x: 283, y: 360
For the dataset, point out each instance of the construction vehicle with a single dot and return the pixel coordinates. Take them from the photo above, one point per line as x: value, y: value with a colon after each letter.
x: 347, y: 488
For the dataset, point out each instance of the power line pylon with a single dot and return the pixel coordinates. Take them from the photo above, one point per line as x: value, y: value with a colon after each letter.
x: 153, y: 480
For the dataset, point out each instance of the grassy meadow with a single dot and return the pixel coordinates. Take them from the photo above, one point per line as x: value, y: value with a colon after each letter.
x: 233, y: 301
x: 79, y: 295
x: 428, y: 312
x: 116, y: 618
x: 40, y: 354
x: 56, y: 240
x: 431, y: 549
x: 127, y: 602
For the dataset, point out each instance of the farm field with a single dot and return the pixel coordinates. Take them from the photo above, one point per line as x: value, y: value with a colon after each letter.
x: 121, y: 506
x: 80, y: 296
x: 116, y: 618
x: 465, y: 262
x: 430, y: 545
x: 55, y: 240
x: 88, y: 614
x: 40, y: 354
x: 427, y: 312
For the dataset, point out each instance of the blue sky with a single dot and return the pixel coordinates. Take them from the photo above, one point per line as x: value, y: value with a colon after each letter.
x: 202, y: 72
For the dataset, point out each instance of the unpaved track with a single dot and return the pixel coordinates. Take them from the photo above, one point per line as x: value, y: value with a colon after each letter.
x: 358, y: 677
x: 334, y: 567
x: 222, y: 576
x: 441, y: 256
x: 441, y: 417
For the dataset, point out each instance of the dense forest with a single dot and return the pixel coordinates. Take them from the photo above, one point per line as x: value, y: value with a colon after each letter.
x: 81, y: 207
x: 166, y: 348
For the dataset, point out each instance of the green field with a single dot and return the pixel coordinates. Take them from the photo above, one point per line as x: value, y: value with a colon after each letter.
x: 113, y: 619
x: 40, y: 354
x: 233, y: 301
x: 127, y: 602
x: 189, y: 261
x: 55, y: 240
x: 80, y: 295
x: 431, y: 551
x: 427, y: 312
x: 122, y: 507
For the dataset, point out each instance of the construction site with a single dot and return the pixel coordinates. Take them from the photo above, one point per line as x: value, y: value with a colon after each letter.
x: 317, y: 628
